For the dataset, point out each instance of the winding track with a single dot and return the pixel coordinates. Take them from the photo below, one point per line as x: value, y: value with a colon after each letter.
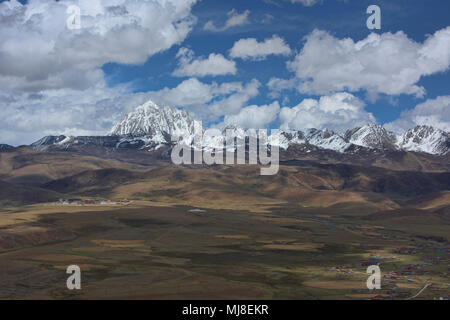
x: 418, y: 293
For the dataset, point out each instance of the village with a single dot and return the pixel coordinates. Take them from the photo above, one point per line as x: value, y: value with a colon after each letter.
x: 93, y: 202
x: 395, y: 283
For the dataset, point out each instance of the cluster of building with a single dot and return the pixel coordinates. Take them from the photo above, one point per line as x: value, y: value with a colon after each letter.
x: 390, y: 276
x: 374, y: 260
x: 433, y: 259
x: 74, y: 202
x: 431, y: 254
x: 344, y: 269
x: 415, y: 269
x: 82, y: 202
x: 405, y: 250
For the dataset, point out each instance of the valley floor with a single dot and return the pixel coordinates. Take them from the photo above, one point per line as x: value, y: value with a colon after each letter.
x: 154, y: 250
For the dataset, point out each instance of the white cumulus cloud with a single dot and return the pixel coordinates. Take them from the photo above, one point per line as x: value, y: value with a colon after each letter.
x: 389, y: 63
x: 39, y: 52
x: 213, y: 65
x: 254, y: 117
x: 252, y: 49
x: 277, y: 85
x: 339, y: 112
x: 208, y: 101
x: 234, y: 19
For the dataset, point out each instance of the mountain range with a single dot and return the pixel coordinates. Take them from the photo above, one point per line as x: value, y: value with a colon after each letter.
x: 150, y: 127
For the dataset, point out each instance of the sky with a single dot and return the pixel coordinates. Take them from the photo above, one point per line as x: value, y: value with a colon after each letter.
x: 290, y: 64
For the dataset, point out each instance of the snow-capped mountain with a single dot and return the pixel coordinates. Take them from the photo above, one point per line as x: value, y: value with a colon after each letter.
x: 372, y: 136
x: 48, y: 140
x: 157, y: 124
x: 326, y: 139
x: 147, y: 127
x: 425, y: 139
x: 150, y: 127
x: 286, y: 138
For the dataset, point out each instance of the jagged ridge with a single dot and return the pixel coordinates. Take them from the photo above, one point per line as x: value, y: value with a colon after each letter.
x: 150, y: 126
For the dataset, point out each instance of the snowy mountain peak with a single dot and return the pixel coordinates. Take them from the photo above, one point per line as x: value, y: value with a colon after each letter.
x: 425, y: 139
x: 156, y: 123
x: 373, y: 136
x: 327, y: 139
x: 48, y: 140
x: 324, y: 139
x: 286, y: 138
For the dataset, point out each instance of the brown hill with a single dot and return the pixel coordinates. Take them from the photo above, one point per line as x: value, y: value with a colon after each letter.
x: 314, y: 182
x: 15, y: 195
x: 94, y: 180
x: 32, y: 167
x: 299, y: 182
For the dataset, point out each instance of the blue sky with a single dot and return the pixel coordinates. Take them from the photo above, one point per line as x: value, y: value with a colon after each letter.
x: 152, y: 73
x: 293, y: 22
